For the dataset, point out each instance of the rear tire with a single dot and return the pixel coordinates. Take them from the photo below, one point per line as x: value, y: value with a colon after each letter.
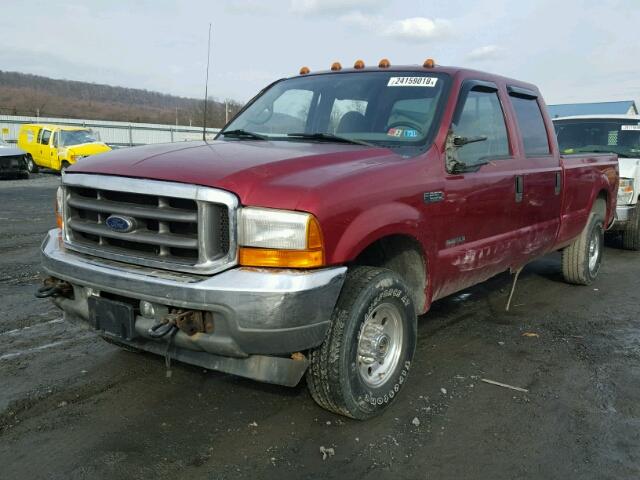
x: 582, y: 259
x: 631, y: 235
x: 364, y: 361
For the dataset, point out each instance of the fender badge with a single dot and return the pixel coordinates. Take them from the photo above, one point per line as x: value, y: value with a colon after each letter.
x: 433, y: 197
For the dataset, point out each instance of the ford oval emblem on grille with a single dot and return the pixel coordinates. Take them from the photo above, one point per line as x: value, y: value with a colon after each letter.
x: 120, y: 223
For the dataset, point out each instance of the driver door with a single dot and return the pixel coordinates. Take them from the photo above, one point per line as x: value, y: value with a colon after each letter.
x: 53, y: 150
x: 480, y: 237
x: 43, y: 150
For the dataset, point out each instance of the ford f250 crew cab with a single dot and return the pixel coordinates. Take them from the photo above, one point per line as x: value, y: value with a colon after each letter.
x: 322, y: 221
x: 619, y: 134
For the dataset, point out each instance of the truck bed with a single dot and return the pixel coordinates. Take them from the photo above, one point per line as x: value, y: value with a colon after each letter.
x: 580, y: 172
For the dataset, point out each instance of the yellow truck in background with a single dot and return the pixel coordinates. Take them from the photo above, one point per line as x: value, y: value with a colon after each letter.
x: 56, y: 147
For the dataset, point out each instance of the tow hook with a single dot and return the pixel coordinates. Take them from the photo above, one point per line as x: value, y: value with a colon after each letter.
x: 159, y: 330
x: 54, y: 287
x: 189, y: 321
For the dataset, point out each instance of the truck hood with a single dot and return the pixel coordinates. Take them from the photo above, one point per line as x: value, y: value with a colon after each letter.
x: 629, y: 167
x: 275, y: 174
x: 92, y: 148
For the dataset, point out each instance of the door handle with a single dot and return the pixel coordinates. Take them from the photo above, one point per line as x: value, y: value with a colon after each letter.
x: 558, y: 183
x: 519, y: 188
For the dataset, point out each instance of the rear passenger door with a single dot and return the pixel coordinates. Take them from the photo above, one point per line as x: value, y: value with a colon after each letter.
x: 480, y: 237
x: 542, y: 174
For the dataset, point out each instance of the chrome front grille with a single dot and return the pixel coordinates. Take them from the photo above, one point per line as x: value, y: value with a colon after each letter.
x: 172, y: 226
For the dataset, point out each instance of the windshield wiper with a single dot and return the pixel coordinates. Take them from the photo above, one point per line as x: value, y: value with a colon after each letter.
x: 239, y: 133
x: 329, y: 137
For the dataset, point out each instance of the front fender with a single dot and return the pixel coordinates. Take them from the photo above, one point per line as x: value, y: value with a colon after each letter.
x: 373, y: 224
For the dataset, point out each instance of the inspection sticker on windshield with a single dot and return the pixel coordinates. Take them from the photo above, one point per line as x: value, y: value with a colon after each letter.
x: 412, y: 82
x: 631, y: 127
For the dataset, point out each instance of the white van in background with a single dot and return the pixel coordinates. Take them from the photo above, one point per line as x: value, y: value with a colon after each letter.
x: 611, y: 134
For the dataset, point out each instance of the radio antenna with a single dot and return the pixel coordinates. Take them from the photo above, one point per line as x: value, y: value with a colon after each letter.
x: 206, y: 88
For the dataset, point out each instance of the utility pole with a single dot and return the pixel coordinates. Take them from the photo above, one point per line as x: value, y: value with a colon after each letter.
x: 226, y: 111
x: 206, y: 88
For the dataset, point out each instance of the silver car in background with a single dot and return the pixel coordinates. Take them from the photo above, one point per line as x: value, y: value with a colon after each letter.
x: 13, y: 162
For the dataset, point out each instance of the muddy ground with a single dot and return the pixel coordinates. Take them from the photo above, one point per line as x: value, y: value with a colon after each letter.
x: 72, y: 406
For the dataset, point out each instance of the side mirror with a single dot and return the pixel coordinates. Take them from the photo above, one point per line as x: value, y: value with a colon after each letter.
x: 453, y: 143
x: 459, y: 141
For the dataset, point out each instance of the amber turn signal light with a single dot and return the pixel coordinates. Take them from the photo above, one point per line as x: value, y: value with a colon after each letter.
x: 335, y: 66
x: 359, y: 65
x: 268, y: 257
x: 304, y: 70
x: 384, y: 63
x: 429, y: 63
x: 57, y: 206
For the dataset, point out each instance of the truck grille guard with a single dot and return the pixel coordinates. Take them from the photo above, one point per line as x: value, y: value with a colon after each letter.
x: 166, y: 225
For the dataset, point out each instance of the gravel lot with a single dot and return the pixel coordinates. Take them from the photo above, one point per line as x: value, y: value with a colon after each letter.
x: 73, y: 406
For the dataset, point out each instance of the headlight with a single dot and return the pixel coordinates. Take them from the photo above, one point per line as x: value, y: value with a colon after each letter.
x: 59, y: 206
x: 625, y: 191
x: 279, y: 238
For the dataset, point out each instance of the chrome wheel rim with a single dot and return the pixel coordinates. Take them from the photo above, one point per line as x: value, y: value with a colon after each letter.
x: 380, y: 344
x: 594, y: 251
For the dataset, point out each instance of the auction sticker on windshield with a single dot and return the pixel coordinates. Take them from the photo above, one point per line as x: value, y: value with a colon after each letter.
x: 412, y: 82
x: 631, y: 127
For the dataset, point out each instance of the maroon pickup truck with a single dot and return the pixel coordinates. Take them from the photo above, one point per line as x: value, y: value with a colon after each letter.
x: 329, y: 214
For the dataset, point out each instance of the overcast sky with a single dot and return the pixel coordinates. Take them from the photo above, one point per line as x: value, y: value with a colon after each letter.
x: 574, y: 50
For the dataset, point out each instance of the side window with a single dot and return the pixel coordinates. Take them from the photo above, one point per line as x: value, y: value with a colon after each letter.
x: 482, y: 116
x: 531, y: 123
x: 45, y: 136
x: 55, y: 140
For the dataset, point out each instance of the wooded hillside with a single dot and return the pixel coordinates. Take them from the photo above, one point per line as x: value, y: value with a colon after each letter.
x: 26, y: 94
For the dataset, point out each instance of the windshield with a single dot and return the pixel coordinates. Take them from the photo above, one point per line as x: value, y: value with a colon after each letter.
x: 393, y: 109
x: 620, y: 136
x: 76, y: 137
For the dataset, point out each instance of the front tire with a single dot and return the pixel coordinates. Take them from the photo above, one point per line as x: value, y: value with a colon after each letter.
x: 364, y: 361
x: 631, y: 235
x: 31, y: 165
x: 582, y: 259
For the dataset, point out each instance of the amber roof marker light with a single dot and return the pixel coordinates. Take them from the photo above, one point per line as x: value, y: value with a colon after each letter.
x: 429, y: 63
x: 335, y: 66
x: 384, y: 63
x: 304, y: 70
x: 359, y: 65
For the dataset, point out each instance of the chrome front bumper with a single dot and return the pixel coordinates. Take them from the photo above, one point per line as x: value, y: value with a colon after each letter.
x: 624, y: 213
x: 258, y: 313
